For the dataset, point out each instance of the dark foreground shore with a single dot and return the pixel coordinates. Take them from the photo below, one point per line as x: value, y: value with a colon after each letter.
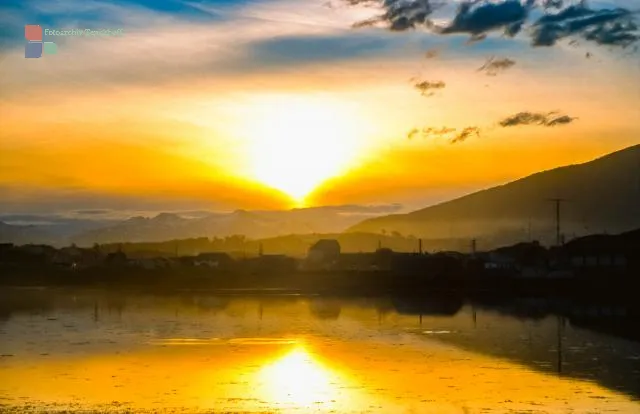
x: 327, y: 282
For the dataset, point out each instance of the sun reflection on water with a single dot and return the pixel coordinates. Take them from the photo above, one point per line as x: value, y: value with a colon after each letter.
x: 298, y: 379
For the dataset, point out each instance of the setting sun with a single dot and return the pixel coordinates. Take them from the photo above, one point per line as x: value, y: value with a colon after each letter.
x: 297, y: 142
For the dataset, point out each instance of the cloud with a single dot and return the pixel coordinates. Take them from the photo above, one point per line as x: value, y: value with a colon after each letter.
x: 222, y: 41
x: 428, y: 88
x: 477, y: 18
x: 432, y: 53
x: 413, y: 133
x: 453, y: 135
x: 561, y: 120
x: 612, y: 27
x: 494, y: 66
x: 466, y: 133
x: 536, y: 118
x: 552, y: 4
x: 93, y: 212
x: 399, y: 15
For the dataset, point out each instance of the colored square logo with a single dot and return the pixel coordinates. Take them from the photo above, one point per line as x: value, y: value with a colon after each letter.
x: 33, y: 32
x: 33, y: 50
x: 50, y: 48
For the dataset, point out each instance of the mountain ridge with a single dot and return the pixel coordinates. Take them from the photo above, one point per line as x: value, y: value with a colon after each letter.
x: 600, y: 195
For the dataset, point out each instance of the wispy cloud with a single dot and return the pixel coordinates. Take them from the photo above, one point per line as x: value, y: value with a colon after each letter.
x: 428, y: 88
x: 466, y: 133
x: 453, y: 135
x: 494, y: 66
x: 157, y: 46
x: 399, y: 15
x: 548, y: 119
x: 432, y: 53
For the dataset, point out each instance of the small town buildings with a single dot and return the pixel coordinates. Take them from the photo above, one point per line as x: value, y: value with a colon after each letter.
x: 216, y: 260
x: 74, y: 257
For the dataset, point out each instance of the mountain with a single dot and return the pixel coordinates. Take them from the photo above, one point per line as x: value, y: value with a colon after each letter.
x: 251, y: 224
x: 17, y: 234
x: 600, y: 196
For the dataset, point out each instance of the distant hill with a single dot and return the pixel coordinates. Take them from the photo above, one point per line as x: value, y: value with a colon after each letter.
x: 603, y: 196
x: 17, y: 234
x: 251, y: 224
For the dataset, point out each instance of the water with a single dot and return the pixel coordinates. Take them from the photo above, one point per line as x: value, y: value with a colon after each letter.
x: 87, y: 351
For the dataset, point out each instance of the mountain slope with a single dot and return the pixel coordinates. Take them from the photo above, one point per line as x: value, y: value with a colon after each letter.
x: 602, y: 195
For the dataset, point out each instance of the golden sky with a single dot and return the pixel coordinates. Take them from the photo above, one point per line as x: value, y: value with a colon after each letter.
x: 273, y: 104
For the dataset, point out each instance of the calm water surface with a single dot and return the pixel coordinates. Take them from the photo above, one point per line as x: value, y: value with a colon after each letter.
x: 87, y: 351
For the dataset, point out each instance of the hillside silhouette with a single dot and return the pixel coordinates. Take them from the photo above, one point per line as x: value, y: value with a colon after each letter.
x: 602, y: 196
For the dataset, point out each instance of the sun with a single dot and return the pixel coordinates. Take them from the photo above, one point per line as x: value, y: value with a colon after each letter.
x: 298, y: 142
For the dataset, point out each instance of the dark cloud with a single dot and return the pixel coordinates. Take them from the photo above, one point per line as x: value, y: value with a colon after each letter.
x: 536, y: 118
x: 476, y: 18
x: 428, y: 88
x: 399, y: 15
x: 494, y: 66
x: 552, y: 4
x: 612, y: 27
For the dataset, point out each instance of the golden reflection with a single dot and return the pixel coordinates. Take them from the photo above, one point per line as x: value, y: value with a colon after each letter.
x: 298, y: 379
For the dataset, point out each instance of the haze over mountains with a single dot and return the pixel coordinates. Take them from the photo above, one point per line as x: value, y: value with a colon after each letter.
x: 602, y: 195
x: 168, y: 226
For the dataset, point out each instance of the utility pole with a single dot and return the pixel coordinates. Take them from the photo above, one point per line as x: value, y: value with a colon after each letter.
x: 557, y: 202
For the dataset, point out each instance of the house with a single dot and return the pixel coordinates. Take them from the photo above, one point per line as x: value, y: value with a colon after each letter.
x: 116, y: 259
x: 217, y: 260
x: 499, y: 261
x: 522, y: 259
x: 323, y: 254
x: 324, y: 250
x: 74, y: 257
x: 602, y: 251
